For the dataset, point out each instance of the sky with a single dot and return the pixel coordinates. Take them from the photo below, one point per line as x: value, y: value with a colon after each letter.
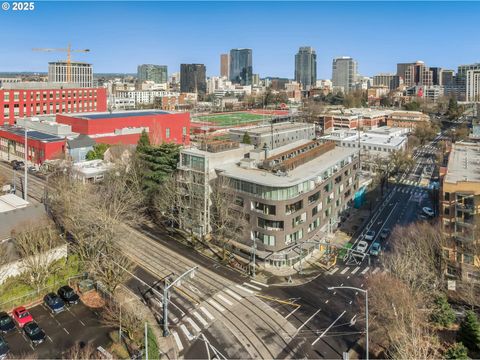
x: 124, y: 34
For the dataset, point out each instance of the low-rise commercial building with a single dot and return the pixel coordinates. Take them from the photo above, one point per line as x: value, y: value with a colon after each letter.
x: 407, y: 119
x: 352, y: 119
x: 460, y: 209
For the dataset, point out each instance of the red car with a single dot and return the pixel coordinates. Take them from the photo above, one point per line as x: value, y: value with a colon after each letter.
x: 21, y: 316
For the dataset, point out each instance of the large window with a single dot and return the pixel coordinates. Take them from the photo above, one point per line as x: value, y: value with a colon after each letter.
x: 292, y: 208
x: 314, y: 198
x: 193, y: 162
x: 294, y: 237
x: 300, y: 219
x: 268, y: 240
x: 270, y: 224
x: 264, y: 208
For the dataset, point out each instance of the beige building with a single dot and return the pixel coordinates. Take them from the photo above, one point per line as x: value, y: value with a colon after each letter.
x: 407, y: 119
x: 459, y: 210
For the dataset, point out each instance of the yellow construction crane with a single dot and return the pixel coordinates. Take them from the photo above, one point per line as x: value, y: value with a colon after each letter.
x: 69, y: 51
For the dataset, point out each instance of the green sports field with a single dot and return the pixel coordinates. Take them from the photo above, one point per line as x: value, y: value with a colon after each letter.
x: 232, y: 118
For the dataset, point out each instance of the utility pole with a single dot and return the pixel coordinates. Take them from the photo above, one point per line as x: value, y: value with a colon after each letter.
x: 166, y: 288
x: 26, y: 164
x: 146, y: 341
x: 366, y: 311
x: 254, y: 249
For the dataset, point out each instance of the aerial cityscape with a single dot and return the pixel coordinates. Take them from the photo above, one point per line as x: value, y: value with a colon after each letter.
x: 240, y: 180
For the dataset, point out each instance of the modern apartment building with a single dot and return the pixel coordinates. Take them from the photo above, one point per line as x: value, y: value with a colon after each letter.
x: 344, y: 74
x: 391, y: 81
x: 418, y: 74
x: 306, y: 67
x: 74, y: 73
x: 224, y: 65
x: 461, y: 78
x: 149, y: 72
x: 472, y: 85
x: 241, y: 66
x: 193, y: 78
x: 288, y: 195
x: 460, y: 209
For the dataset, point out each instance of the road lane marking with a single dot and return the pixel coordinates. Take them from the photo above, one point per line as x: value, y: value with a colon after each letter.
x: 206, y: 312
x: 81, y: 322
x: 344, y: 270
x: 365, y: 270
x: 225, y: 300
x: 377, y: 269
x: 66, y: 331
x: 245, y: 289
x: 233, y: 294
x: 194, y: 325
x: 216, y: 305
x: 338, y: 318
x: 252, y: 286
x: 305, y: 323
x: 259, y: 283
x: 355, y: 270
x: 178, y: 341
x: 200, y: 318
x: 326, y: 301
x: 186, y: 332
x: 286, y: 317
x: 49, y: 338
x: 333, y: 271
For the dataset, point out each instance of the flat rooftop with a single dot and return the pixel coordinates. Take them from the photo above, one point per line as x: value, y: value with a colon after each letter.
x: 31, y: 134
x: 463, y: 163
x: 367, y: 138
x: 267, y: 129
x: 116, y: 115
x: 307, y: 171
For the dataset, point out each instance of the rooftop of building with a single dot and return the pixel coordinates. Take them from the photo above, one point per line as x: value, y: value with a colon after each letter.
x: 307, y: 171
x: 72, y: 63
x: 258, y: 130
x: 116, y: 115
x: 37, y: 85
x: 369, y: 138
x: 31, y: 134
x: 463, y: 163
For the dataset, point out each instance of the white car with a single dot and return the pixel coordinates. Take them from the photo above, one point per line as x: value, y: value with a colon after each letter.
x: 370, y: 235
x: 428, y: 211
x: 362, y: 246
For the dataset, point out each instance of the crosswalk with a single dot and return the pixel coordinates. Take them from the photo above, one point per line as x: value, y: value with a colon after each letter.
x: 410, y: 190
x: 354, y: 270
x: 200, y: 318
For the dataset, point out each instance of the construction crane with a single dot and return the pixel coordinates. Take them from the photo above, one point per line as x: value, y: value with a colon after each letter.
x: 69, y: 51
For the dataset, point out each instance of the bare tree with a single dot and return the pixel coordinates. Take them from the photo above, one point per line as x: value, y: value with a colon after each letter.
x: 114, y: 314
x: 36, y: 245
x: 81, y: 351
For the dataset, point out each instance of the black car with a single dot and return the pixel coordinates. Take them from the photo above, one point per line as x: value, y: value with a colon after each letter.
x: 6, y: 323
x: 4, y: 349
x: 54, y: 302
x: 17, y: 165
x: 68, y: 295
x: 34, y: 332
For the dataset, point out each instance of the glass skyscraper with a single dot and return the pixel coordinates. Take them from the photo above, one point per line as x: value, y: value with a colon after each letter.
x: 306, y: 67
x: 156, y: 73
x: 241, y: 66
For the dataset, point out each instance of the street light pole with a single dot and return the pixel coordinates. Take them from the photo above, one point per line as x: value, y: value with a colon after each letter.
x: 25, y: 150
x: 254, y: 254
x: 366, y: 311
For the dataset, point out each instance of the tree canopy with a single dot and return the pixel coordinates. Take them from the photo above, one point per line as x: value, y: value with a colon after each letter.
x: 97, y: 152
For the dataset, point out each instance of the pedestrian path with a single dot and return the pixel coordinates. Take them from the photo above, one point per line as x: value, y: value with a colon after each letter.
x: 345, y: 270
x: 191, y: 326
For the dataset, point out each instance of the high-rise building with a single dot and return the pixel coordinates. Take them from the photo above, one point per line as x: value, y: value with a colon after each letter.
x: 149, y: 72
x: 344, y: 74
x: 418, y: 74
x: 447, y: 77
x: 306, y: 67
x: 241, y: 66
x: 224, y: 65
x: 461, y: 78
x: 473, y: 85
x: 436, y: 75
x: 193, y: 78
x: 391, y: 81
x: 73, y: 73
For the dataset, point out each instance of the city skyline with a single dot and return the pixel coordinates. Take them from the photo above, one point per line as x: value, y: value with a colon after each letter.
x: 120, y: 49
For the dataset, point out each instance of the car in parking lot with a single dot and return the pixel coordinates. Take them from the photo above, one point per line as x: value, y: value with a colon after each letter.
x: 375, y: 249
x: 54, y: 302
x: 385, y: 233
x: 362, y: 246
x: 370, y: 235
x: 6, y: 323
x: 68, y: 295
x: 428, y: 211
x: 21, y: 316
x: 17, y: 165
x: 34, y: 332
x: 4, y: 349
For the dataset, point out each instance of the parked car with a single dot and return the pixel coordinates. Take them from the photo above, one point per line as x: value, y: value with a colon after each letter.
x: 54, y: 302
x: 68, y: 295
x: 385, y: 233
x: 370, y: 235
x: 4, y: 349
x: 6, y: 323
x: 34, y: 332
x: 21, y: 316
x: 362, y: 246
x: 375, y: 249
x: 17, y: 165
x: 428, y: 211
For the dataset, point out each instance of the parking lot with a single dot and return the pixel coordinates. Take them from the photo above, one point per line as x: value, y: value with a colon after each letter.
x: 74, y: 325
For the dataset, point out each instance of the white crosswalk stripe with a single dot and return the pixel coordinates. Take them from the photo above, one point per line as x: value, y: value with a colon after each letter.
x: 194, y: 325
x: 245, y: 289
x: 344, y: 270
x: 178, y: 341
x: 216, y: 305
x: 186, y: 332
x: 355, y: 270
x: 200, y: 318
x: 207, y: 313
x: 365, y: 270
x: 233, y: 294
x: 377, y: 269
x: 333, y: 271
x: 252, y: 286
x: 258, y: 283
x: 225, y: 300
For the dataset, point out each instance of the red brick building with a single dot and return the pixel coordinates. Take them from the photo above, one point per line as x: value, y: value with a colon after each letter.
x: 31, y: 99
x: 126, y: 127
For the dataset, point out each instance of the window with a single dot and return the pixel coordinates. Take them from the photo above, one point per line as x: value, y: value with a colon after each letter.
x: 264, y: 208
x: 292, y: 208
x: 167, y: 133
x: 300, y: 219
x: 447, y: 196
x: 315, y: 224
x: 297, y: 235
x: 270, y: 224
x: 239, y: 201
x: 268, y: 240
x: 184, y: 131
x: 314, y: 198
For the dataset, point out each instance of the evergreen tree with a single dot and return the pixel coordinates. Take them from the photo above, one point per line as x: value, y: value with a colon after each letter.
x: 457, y: 351
x: 443, y: 314
x: 469, y: 332
x: 143, y: 142
x: 246, y: 139
x: 97, y: 152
